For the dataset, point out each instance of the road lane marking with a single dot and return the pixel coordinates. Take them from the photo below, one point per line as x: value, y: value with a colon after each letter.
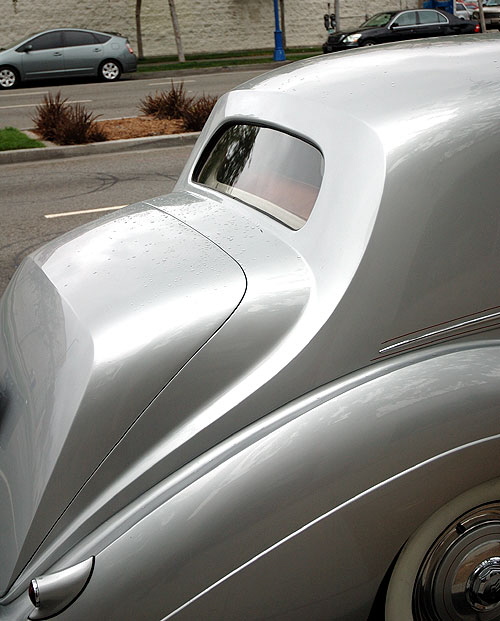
x: 35, y: 104
x: 22, y: 94
x: 170, y: 82
x: 82, y: 211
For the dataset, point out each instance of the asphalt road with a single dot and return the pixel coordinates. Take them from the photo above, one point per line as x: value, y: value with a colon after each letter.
x: 34, y: 195
x: 111, y: 100
x: 38, y: 200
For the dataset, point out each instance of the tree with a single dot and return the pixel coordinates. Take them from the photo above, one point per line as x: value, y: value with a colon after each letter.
x: 177, y: 32
x: 282, y: 15
x: 138, y: 29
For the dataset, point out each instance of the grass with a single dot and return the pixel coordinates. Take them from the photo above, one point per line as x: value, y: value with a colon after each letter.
x: 11, y: 138
x: 197, y: 61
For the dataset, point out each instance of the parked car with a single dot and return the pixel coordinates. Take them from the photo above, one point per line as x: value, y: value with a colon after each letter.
x: 471, y: 7
x: 461, y: 11
x: 405, y: 25
x: 66, y: 52
x: 491, y: 10
x: 275, y: 392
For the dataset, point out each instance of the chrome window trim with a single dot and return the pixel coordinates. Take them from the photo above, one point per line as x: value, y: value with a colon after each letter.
x: 390, y: 24
x: 452, y: 330
x: 258, y: 203
x: 446, y: 20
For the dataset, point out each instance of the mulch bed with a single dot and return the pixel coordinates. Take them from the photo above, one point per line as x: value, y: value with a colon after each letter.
x: 139, y: 127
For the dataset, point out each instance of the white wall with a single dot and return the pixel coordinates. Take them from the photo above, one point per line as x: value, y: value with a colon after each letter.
x: 206, y: 26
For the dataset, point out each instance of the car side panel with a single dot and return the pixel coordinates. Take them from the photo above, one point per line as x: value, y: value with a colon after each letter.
x: 327, y: 485
x: 43, y: 63
x: 310, y: 576
x: 82, y: 59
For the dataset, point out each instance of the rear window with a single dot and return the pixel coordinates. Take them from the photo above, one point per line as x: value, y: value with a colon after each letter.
x: 102, y: 38
x: 270, y: 170
x: 79, y: 37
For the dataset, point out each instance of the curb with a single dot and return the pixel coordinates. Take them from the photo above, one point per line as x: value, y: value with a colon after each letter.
x: 97, y: 148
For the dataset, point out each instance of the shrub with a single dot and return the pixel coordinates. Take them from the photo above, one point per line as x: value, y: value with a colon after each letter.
x: 59, y: 122
x: 195, y: 116
x: 78, y: 126
x: 49, y: 115
x: 167, y: 105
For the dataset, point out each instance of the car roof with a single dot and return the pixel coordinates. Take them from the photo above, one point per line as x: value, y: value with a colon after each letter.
x: 382, y: 83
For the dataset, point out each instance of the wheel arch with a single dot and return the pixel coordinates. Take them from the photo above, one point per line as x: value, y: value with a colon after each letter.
x: 339, y: 479
x: 309, y: 572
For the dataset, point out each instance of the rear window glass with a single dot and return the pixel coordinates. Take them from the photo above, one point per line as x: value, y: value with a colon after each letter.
x: 102, y: 38
x: 270, y: 170
x: 79, y: 37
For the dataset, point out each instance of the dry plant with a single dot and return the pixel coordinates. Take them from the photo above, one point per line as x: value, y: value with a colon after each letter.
x: 49, y: 115
x: 167, y: 105
x: 59, y: 122
x: 196, y: 115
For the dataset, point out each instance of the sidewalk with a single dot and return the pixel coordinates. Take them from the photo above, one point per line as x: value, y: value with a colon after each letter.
x: 95, y: 148
x: 131, y: 144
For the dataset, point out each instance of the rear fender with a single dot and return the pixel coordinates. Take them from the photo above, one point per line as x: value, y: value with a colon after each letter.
x: 304, y: 511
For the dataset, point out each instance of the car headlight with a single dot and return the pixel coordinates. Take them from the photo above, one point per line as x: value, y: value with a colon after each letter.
x: 352, y: 38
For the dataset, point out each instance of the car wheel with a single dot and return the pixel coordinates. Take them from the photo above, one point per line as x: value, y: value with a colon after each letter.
x: 449, y: 570
x: 110, y: 71
x: 367, y: 43
x: 8, y: 77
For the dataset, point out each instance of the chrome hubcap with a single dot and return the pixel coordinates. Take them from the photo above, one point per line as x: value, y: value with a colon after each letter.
x: 483, y: 585
x: 7, y: 78
x: 459, y: 579
x: 110, y: 71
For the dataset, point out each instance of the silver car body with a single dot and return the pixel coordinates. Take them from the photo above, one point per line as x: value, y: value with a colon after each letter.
x: 461, y: 11
x: 206, y: 414
x: 67, y: 52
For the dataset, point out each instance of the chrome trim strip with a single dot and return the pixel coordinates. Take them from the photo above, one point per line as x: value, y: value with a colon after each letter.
x: 433, y: 333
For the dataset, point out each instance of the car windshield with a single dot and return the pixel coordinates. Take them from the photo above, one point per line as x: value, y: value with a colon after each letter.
x: 268, y: 169
x: 491, y: 3
x: 380, y: 19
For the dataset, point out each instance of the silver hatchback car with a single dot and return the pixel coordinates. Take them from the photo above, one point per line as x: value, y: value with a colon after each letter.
x: 67, y: 52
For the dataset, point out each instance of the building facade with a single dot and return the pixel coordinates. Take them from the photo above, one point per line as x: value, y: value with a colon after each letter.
x: 214, y: 26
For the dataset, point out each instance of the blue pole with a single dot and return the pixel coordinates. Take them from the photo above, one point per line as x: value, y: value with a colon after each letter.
x: 279, y: 52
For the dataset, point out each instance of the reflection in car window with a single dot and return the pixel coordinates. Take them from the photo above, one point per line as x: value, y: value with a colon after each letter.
x: 431, y: 17
x: 408, y: 18
x: 77, y: 37
x: 46, y: 41
x: 381, y: 19
x: 270, y: 170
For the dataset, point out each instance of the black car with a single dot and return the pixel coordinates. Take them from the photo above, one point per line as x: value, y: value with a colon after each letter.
x: 400, y: 26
